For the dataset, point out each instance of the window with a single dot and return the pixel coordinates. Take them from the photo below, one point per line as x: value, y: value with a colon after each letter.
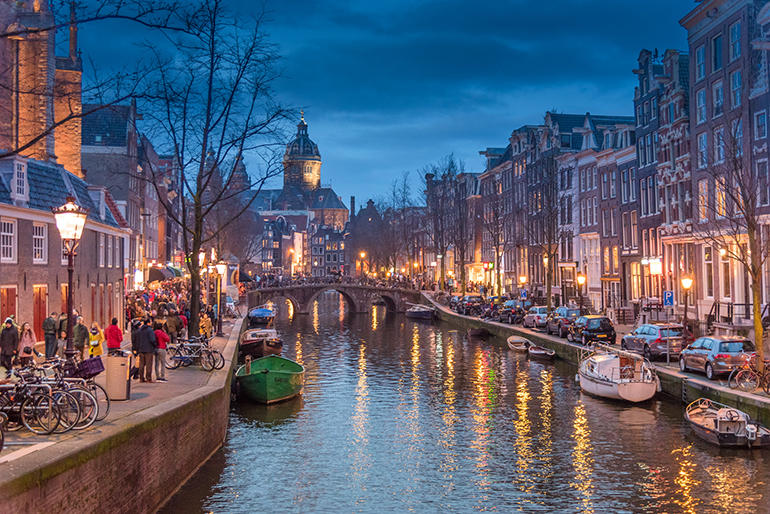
x: 118, y: 264
x: 615, y: 260
x: 632, y: 180
x: 735, y: 89
x: 703, y: 199
x: 7, y: 240
x: 725, y: 275
x: 582, y: 180
x: 605, y: 223
x: 276, y: 244
x: 654, y: 107
x: 640, y: 151
x: 614, y: 221
x: 625, y: 228
x: 624, y: 186
x: 700, y: 102
x: 719, y: 145
x: 101, y: 250
x: 596, y: 211
x: 39, y: 243
x: 655, y: 147
x: 646, y: 112
x: 613, y: 181
x: 735, y: 41
x: 721, y: 197
x: 634, y: 230
x: 700, y: 62
x: 650, y: 160
x: 717, y: 98
x: 604, y: 186
x: 638, y: 114
x: 21, y: 180
x: 716, y: 53
x: 643, y: 186
x: 671, y: 112
x: 702, y: 150
x: 762, y: 182
x: 738, y: 136
x: 596, y: 178
x: 708, y: 271
x: 760, y: 125
x: 109, y: 251
x: 653, y: 195
x: 606, y: 259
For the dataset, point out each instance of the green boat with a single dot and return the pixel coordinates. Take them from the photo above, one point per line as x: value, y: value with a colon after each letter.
x: 269, y: 379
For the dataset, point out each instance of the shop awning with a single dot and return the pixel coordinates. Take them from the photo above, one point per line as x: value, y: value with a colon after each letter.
x: 244, y: 277
x: 159, y: 274
x: 176, y: 271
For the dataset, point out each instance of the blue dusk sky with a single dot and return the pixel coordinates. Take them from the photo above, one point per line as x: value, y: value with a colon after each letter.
x: 392, y: 86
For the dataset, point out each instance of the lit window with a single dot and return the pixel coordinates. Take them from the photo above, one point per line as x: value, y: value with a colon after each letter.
x: 39, y: 243
x: 7, y: 240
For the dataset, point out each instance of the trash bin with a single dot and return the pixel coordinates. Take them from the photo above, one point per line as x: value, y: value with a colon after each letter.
x: 116, y: 376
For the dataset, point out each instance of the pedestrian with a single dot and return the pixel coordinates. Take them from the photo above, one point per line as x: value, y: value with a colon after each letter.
x: 114, y: 336
x: 80, y: 336
x: 146, y: 344
x: 50, y: 329
x: 95, y: 341
x: 9, y: 344
x: 184, y: 317
x: 205, y: 325
x: 27, y: 340
x: 162, y: 339
x: 173, y: 326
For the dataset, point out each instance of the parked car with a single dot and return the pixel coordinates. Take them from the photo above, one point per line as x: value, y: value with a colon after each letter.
x: 469, y: 303
x: 560, y: 320
x: 655, y: 340
x: 587, y: 329
x: 513, y: 308
x: 536, y: 317
x: 716, y: 355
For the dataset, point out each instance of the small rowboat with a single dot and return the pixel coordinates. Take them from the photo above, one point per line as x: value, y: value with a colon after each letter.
x: 541, y: 352
x: 269, y: 379
x: 478, y: 332
x: 420, y: 312
x: 518, y: 344
x: 725, y: 426
x: 260, y: 342
x: 261, y: 315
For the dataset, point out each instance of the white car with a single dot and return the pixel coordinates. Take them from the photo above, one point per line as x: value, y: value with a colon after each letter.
x: 536, y: 317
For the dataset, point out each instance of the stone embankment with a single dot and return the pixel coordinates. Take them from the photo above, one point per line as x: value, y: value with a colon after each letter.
x: 685, y: 387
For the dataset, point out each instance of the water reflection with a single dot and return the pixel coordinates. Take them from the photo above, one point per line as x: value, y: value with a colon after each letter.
x: 685, y: 480
x: 582, y: 459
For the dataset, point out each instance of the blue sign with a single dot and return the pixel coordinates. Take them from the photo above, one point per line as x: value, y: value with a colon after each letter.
x: 523, y: 294
x: 668, y: 298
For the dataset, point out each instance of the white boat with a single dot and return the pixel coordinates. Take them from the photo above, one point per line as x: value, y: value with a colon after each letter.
x: 618, y: 375
x: 417, y: 311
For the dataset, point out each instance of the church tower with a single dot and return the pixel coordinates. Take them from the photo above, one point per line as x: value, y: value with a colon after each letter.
x: 302, y: 162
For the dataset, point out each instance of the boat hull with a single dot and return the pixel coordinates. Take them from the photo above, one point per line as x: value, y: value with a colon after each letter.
x: 625, y: 391
x: 728, y: 430
x: 259, y: 349
x: 270, y: 379
x: 420, y: 314
x: 518, y: 344
x: 540, y: 353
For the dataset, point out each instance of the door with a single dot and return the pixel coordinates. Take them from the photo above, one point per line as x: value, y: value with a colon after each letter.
x: 39, y: 309
x: 64, y: 299
x: 101, y: 306
x: 703, y: 353
x: 110, y: 313
x: 7, y: 302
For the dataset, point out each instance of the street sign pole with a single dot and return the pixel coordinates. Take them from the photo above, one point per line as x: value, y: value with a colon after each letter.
x: 668, y: 302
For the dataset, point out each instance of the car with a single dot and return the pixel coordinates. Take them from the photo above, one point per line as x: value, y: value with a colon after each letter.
x: 594, y: 328
x: 656, y: 340
x: 716, y: 355
x: 536, y: 317
x: 560, y: 320
x: 468, y: 303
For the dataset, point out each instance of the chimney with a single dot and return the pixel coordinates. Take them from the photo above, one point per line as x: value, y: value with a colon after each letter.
x: 352, y: 206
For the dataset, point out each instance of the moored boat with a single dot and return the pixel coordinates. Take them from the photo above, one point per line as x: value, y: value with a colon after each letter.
x: 518, y: 344
x: 270, y: 379
x: 260, y: 342
x: 725, y: 426
x: 417, y: 311
x: 541, y: 352
x: 261, y: 315
x: 618, y: 375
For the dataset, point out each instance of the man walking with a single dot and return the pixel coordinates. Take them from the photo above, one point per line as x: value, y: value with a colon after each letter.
x: 114, y: 336
x: 9, y: 344
x: 146, y: 343
x: 80, y: 336
x: 50, y: 328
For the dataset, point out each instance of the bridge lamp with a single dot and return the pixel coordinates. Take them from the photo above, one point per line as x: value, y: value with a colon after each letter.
x: 403, y: 270
x: 221, y: 270
x: 363, y: 255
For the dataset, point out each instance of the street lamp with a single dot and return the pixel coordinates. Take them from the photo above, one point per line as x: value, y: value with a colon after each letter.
x: 686, y: 285
x: 221, y: 270
x: 70, y: 220
x: 581, y: 279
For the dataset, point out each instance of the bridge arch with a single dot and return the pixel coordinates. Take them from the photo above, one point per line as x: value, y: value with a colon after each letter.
x: 391, y: 303
x: 271, y: 296
x: 349, y: 299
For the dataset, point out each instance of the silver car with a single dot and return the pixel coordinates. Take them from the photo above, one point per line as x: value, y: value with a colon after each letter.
x: 716, y: 354
x: 536, y: 317
x: 654, y: 340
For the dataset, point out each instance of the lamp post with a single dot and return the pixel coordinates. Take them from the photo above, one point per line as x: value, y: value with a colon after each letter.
x: 686, y: 285
x: 522, y: 281
x: 581, y: 279
x: 221, y: 270
x: 70, y: 220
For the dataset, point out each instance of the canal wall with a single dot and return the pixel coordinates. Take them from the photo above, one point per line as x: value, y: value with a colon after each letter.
x: 684, y: 387
x: 130, y: 465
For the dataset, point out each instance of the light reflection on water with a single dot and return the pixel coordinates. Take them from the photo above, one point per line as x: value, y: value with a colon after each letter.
x: 401, y: 416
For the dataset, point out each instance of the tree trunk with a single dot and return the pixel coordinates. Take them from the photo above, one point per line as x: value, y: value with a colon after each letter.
x: 548, y: 279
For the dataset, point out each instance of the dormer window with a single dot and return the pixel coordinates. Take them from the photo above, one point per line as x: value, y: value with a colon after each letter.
x: 19, y: 183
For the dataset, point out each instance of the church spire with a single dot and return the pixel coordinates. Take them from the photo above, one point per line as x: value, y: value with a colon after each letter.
x: 73, y: 34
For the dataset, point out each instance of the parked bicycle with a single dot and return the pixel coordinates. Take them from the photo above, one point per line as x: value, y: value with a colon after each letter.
x: 747, y: 378
x: 194, y: 350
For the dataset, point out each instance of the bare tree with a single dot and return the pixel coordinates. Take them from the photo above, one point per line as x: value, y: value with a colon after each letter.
x: 439, y: 180
x: 461, y: 229
x: 211, y: 101
x: 498, y: 216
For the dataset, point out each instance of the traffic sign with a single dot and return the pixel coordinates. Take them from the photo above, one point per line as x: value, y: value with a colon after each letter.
x: 523, y: 294
x: 668, y: 298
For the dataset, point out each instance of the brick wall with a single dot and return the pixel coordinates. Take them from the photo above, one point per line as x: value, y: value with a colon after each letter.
x: 68, y: 136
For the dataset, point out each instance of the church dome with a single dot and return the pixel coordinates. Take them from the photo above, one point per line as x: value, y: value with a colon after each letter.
x: 302, y: 145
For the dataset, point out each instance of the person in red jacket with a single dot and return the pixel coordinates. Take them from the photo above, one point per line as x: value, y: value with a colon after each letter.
x: 160, y: 352
x: 114, y: 336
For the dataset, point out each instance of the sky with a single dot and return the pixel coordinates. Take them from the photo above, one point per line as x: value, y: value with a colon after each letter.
x: 393, y: 86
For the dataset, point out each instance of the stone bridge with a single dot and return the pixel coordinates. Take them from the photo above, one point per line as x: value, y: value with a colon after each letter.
x: 359, y: 298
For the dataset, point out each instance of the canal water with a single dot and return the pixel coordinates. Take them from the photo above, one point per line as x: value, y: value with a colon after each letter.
x: 405, y: 416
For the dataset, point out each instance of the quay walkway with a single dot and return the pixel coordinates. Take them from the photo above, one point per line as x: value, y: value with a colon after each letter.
x: 136, y: 458
x: 686, y: 387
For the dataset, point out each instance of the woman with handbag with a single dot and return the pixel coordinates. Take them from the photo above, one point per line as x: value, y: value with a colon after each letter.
x: 95, y: 340
x: 27, y: 340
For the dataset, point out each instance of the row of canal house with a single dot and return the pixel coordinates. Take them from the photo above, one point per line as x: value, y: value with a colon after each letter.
x: 638, y: 199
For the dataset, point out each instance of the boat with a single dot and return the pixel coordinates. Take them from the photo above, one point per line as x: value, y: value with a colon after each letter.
x: 518, y: 344
x: 618, y: 375
x: 260, y: 342
x: 478, y: 332
x: 261, y: 315
x: 417, y: 311
x: 270, y: 379
x: 725, y: 426
x: 541, y: 352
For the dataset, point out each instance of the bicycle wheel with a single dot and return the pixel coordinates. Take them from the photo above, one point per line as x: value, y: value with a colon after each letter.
x: 174, y: 358
x: 102, y: 399
x: 89, y: 408
x: 748, y: 380
x: 40, y: 414
x: 219, y: 359
x: 69, y: 410
x: 207, y: 360
x: 12, y: 419
x: 731, y: 381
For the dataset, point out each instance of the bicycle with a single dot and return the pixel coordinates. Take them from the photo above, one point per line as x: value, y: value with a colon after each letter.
x: 747, y: 378
x: 24, y: 406
x: 189, y: 351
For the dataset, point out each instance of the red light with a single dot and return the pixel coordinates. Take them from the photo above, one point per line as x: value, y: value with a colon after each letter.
x: 722, y: 356
x: 658, y: 341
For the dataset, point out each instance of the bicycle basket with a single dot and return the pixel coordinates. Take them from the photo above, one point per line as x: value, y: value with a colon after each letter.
x: 70, y: 369
x: 89, y: 368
